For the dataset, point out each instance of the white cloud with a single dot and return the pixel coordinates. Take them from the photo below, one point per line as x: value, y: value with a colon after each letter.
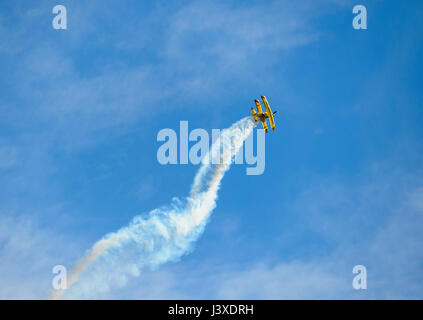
x: 375, y: 221
x: 292, y: 280
x: 28, y: 252
x: 74, y: 105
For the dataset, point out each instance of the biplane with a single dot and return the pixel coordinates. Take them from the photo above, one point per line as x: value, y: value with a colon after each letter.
x: 262, y: 116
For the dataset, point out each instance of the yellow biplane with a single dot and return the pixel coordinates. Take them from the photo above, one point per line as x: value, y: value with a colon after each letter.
x: 262, y: 116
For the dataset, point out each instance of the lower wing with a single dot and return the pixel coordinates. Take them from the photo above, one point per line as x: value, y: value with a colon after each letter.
x: 263, y: 123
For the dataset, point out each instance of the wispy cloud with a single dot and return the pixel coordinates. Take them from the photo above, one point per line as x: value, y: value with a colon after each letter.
x: 375, y: 222
x: 67, y: 91
x: 52, y: 92
x: 28, y: 252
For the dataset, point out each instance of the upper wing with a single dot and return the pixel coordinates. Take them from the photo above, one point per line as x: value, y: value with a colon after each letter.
x: 269, y: 112
x: 258, y: 105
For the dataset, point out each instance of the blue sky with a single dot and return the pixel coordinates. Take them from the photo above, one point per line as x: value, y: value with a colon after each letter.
x: 81, y: 108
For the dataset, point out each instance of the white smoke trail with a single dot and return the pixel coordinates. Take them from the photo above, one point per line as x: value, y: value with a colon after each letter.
x: 165, y: 235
